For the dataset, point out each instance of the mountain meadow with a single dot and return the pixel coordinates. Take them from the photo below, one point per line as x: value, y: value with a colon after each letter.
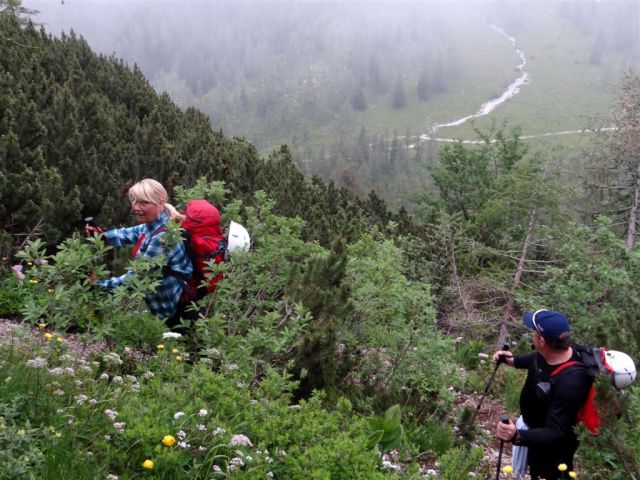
x: 350, y: 340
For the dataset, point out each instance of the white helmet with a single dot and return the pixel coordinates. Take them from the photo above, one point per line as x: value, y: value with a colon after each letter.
x: 621, y: 367
x: 238, y: 237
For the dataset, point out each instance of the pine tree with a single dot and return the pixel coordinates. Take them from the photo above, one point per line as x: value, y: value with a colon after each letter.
x: 423, y: 86
x: 399, y: 100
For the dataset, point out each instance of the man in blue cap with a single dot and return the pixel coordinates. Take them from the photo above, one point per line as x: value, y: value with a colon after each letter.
x: 549, y: 402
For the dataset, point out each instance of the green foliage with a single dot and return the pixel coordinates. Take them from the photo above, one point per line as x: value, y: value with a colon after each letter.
x: 387, y: 430
x: 594, y: 284
x: 467, y: 353
x: 432, y: 435
x: 466, y: 176
x: 94, y: 418
x: 458, y: 462
x: 614, y: 453
x: 11, y: 297
x: 215, y: 192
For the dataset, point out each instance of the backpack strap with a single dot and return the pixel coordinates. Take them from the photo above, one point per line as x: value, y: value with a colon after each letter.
x: 588, y: 413
x: 138, y: 244
x: 563, y: 367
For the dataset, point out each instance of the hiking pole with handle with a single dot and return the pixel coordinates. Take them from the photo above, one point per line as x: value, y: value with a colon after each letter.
x: 91, y: 228
x: 501, y: 359
x: 504, y: 419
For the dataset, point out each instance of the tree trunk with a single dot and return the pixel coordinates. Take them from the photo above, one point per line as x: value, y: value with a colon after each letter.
x: 508, y: 311
x: 633, y: 213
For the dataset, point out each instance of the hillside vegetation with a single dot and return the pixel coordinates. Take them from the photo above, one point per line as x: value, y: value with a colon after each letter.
x: 340, y: 345
x: 348, y: 86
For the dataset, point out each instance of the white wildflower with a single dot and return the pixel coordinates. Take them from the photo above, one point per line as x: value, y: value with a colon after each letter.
x: 181, y: 435
x: 240, y: 441
x: 107, y: 437
x: 80, y: 399
x: 148, y: 375
x: 219, y: 431
x: 202, y: 449
x: 201, y: 427
x: 112, y: 414
x: 112, y: 358
x: 117, y: 379
x: 104, y: 376
x: 119, y: 426
x: 234, y: 463
x: 56, y: 372
x: 93, y: 401
x: 112, y: 477
x: 388, y: 464
x: 171, y: 335
x: 231, y: 367
x: 177, y: 415
x: 214, y: 352
x: 217, y: 469
x: 36, y: 362
x: 59, y: 392
x: 183, y: 444
x: 270, y: 474
x: 202, y: 412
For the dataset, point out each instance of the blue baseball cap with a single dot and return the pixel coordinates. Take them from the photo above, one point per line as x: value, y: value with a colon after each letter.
x: 548, y: 323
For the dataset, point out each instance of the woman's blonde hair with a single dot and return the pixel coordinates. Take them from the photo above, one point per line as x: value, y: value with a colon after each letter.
x: 152, y: 191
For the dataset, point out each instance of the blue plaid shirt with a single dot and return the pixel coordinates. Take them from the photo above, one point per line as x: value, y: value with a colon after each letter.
x: 164, y: 301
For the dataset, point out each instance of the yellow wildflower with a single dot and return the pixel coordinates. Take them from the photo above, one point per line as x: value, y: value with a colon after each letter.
x: 33, y: 281
x: 29, y: 264
x: 179, y: 358
x: 148, y: 464
x: 48, y: 336
x: 573, y: 474
x: 507, y: 469
x: 160, y: 347
x: 168, y: 440
x: 175, y: 350
x: 42, y: 326
x: 59, y: 339
x: 22, y: 432
x: 562, y: 467
x: 51, y: 290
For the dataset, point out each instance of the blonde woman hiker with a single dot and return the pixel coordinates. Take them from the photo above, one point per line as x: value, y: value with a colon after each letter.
x: 149, y: 205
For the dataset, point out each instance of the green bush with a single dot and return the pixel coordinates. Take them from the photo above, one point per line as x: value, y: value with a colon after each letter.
x: 11, y: 297
x: 433, y: 435
x: 457, y: 463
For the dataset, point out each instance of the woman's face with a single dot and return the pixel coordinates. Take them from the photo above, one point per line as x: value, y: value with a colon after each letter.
x: 146, y: 212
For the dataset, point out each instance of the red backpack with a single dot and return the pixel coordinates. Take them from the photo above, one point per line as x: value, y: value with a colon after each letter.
x: 204, y: 241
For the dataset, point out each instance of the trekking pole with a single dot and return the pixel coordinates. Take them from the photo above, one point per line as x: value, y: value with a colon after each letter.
x: 505, y: 346
x: 504, y: 419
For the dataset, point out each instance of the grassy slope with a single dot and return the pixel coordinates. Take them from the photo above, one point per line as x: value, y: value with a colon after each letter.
x: 565, y: 89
